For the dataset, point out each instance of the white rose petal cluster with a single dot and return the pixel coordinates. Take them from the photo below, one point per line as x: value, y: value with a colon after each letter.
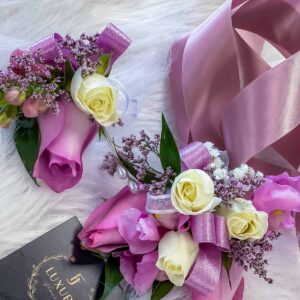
x: 177, y: 253
x: 94, y: 95
x: 192, y: 193
x: 243, y: 220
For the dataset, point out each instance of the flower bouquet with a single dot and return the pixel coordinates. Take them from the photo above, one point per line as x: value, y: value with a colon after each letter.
x: 192, y: 222
x: 58, y: 92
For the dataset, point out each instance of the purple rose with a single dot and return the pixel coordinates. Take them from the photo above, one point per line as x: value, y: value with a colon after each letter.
x: 64, y: 137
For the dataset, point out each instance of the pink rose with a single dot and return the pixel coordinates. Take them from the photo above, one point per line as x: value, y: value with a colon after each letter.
x: 100, y: 231
x: 139, y: 230
x: 279, y: 196
x: 64, y: 137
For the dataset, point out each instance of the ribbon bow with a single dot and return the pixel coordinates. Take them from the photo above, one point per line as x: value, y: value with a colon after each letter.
x: 209, y: 230
x: 226, y: 93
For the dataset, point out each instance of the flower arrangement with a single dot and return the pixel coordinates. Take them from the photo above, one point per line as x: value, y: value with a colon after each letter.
x: 192, y: 222
x: 59, y: 95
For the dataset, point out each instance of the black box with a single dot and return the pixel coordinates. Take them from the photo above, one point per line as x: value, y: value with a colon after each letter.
x: 52, y: 267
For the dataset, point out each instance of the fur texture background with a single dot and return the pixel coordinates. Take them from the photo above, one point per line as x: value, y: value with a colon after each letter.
x: 27, y: 211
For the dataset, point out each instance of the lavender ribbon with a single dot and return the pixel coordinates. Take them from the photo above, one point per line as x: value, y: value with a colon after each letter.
x: 111, y: 40
x: 206, y: 271
x: 47, y: 47
x: 210, y: 231
x: 114, y: 41
x: 193, y: 156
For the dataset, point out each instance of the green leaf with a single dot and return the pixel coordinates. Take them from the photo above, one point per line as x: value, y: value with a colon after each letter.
x: 149, y: 175
x: 169, y: 154
x: 161, y: 289
x: 55, y: 73
x: 113, y: 275
x: 227, y: 263
x: 27, y: 140
x: 100, y: 133
x: 68, y: 75
x: 104, y: 64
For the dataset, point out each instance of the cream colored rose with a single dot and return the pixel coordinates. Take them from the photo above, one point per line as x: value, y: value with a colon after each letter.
x: 193, y: 193
x: 244, y: 221
x: 177, y: 252
x: 95, y: 95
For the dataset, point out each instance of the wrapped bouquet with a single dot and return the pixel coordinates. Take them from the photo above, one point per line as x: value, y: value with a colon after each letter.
x: 192, y: 221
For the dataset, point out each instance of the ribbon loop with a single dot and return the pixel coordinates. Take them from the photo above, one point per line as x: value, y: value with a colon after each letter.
x: 114, y: 41
x: 194, y: 156
x: 209, y: 228
x: 159, y: 204
x: 47, y: 47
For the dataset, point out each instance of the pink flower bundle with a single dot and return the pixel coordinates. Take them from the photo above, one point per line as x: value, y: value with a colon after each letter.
x: 198, y: 227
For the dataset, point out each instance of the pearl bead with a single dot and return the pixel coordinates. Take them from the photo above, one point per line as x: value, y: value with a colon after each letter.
x: 133, y: 186
x: 122, y: 173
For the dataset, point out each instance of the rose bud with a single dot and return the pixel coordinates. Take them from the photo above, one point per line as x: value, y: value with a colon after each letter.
x: 13, y: 97
x: 32, y: 108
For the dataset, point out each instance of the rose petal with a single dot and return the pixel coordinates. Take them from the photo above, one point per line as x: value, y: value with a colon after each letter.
x: 146, y: 273
x: 128, y: 230
x: 271, y: 196
x: 139, y: 270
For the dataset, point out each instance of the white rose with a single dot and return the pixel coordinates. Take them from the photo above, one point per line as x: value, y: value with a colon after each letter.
x: 94, y: 95
x: 244, y: 221
x: 177, y: 253
x: 193, y: 193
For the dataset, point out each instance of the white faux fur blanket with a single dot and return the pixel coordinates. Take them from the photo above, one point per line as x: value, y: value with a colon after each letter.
x: 27, y: 211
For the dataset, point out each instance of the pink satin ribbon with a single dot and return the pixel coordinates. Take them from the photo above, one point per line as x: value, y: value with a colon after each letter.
x: 226, y: 93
